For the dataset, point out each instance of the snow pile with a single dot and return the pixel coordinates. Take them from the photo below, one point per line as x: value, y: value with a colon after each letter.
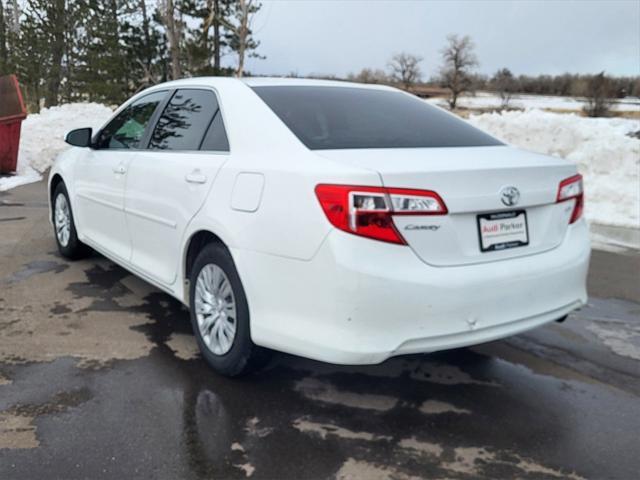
x: 493, y: 100
x: 606, y: 156
x: 43, y: 134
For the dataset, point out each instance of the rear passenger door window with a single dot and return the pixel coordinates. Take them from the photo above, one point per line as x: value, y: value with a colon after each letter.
x: 215, y: 140
x: 185, y: 120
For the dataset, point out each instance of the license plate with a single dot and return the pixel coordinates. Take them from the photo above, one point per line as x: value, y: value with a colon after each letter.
x: 499, y: 231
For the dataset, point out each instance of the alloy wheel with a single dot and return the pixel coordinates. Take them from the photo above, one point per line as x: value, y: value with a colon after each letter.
x: 62, y: 219
x: 215, y: 309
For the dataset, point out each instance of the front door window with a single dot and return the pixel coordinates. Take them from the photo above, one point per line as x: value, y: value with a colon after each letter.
x: 126, y: 130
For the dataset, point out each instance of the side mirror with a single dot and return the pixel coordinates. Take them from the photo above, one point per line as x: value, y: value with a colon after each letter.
x: 80, y: 137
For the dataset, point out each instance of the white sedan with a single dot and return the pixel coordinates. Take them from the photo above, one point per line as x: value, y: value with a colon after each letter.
x: 342, y: 222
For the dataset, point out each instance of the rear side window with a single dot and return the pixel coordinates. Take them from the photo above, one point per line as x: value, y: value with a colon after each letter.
x: 185, y: 120
x: 344, y: 117
x: 216, y: 137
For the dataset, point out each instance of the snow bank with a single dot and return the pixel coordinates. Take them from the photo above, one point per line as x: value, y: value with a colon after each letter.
x: 43, y: 138
x: 607, y: 157
x: 492, y: 100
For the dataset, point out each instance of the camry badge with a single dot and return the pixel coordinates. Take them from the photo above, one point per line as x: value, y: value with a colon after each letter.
x: 510, y: 196
x: 422, y: 227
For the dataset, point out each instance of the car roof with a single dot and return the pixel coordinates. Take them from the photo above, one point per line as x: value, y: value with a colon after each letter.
x: 304, y: 82
x: 266, y: 82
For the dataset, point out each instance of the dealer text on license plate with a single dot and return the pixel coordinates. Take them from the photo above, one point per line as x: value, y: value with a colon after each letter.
x: 498, y: 231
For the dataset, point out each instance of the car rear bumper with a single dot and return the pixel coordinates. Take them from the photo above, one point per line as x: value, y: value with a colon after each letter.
x: 360, y: 301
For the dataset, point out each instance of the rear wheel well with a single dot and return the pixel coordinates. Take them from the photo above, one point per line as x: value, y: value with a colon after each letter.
x: 198, y: 241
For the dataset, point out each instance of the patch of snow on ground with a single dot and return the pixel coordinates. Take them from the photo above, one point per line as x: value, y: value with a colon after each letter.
x: 42, y: 138
x: 606, y: 156
x: 493, y: 100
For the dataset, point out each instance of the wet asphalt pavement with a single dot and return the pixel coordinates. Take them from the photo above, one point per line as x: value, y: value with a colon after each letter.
x: 100, y: 378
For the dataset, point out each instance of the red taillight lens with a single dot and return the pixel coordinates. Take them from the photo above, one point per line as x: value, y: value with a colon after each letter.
x: 368, y: 211
x: 572, y: 189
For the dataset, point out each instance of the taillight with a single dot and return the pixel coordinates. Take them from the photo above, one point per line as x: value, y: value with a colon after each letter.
x: 570, y: 189
x: 368, y: 211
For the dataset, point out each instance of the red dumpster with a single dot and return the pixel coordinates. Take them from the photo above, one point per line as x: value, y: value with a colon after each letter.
x: 12, y: 112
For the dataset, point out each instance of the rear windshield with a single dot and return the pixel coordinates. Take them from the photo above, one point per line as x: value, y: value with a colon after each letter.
x: 326, y: 118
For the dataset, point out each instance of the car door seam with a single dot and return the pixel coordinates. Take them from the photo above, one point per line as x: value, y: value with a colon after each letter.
x: 150, y: 217
x: 99, y: 201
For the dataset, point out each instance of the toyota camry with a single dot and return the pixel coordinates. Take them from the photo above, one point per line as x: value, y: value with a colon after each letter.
x: 342, y: 222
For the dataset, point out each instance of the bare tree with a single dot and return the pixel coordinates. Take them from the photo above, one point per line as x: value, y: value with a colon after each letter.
x: 405, y: 70
x: 459, y: 59
x: 505, y: 84
x: 216, y: 33
x: 598, y: 93
x: 242, y: 31
x: 239, y: 26
x: 14, y: 21
x: 174, y: 27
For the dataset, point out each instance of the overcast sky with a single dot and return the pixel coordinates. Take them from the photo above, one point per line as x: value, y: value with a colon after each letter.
x: 529, y: 37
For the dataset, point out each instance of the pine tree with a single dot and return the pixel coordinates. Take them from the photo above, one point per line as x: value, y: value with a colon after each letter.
x: 4, y: 53
x: 9, y: 30
x: 38, y: 39
x: 8, y: 37
x: 205, y: 43
x: 73, y: 33
x: 103, y: 71
x: 106, y: 50
x: 56, y: 13
x: 145, y: 48
x: 29, y: 52
x: 241, y: 36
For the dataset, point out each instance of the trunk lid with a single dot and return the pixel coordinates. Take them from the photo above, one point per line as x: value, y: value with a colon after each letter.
x: 470, y: 180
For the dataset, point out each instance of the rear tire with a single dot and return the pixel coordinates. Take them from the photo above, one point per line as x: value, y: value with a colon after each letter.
x: 64, y: 228
x: 220, y: 314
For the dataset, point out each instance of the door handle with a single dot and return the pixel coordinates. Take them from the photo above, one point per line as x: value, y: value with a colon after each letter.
x: 120, y: 169
x: 195, y: 177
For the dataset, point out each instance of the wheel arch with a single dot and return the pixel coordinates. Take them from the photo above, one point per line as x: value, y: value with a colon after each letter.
x: 196, y: 242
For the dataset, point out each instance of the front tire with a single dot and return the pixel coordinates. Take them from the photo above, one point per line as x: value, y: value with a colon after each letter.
x: 64, y: 226
x: 220, y: 314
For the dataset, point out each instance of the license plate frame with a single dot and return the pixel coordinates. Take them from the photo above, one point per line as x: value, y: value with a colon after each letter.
x: 519, y: 237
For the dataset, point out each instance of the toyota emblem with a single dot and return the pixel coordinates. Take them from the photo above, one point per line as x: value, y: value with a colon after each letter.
x: 510, y: 196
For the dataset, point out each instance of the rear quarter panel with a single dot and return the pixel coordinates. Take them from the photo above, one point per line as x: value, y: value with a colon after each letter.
x: 288, y: 221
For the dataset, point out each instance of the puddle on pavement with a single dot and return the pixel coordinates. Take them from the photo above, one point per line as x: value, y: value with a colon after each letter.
x: 18, y: 430
x: 216, y: 427
x: 34, y: 268
x: 458, y: 414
